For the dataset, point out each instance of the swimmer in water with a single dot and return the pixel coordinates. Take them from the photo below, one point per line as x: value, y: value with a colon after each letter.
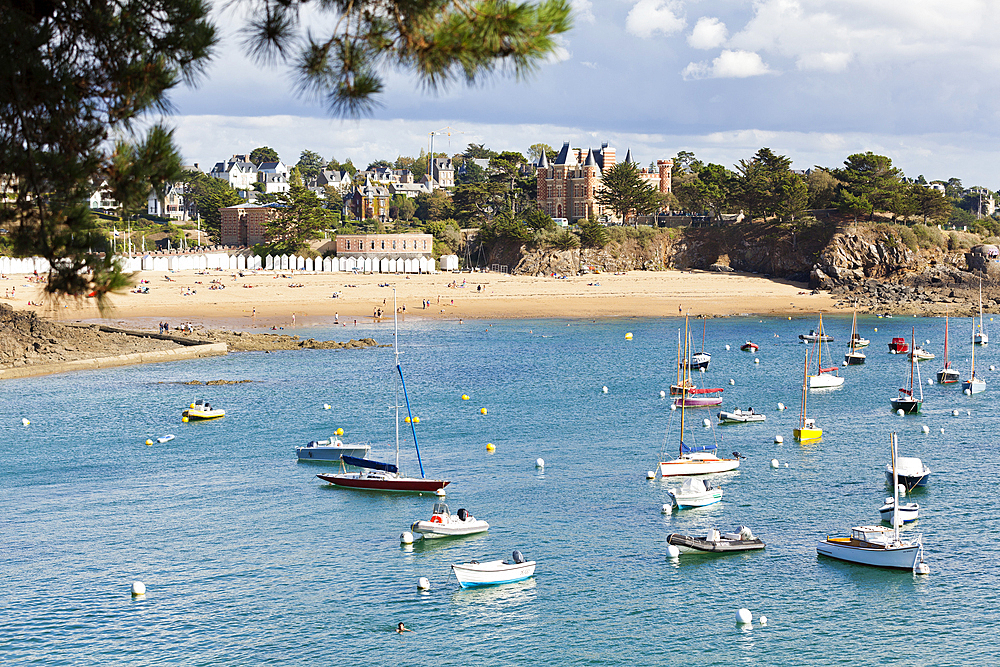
x: 401, y: 628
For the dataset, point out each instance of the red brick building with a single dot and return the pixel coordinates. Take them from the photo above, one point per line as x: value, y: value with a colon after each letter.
x: 392, y: 246
x: 568, y: 186
x: 243, y: 225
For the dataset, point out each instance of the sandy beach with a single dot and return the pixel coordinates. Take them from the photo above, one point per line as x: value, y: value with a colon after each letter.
x: 266, y: 299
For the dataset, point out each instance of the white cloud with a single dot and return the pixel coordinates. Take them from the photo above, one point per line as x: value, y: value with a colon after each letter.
x: 589, y: 64
x: 825, y: 61
x: 583, y: 10
x: 561, y: 52
x: 650, y: 16
x: 708, y: 33
x: 729, y: 65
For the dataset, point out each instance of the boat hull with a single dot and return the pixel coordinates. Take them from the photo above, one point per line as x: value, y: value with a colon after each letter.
x: 907, y: 405
x: 908, y: 512
x: 894, y: 557
x: 203, y: 415
x: 689, y: 501
x: 693, y: 545
x: 697, y: 401
x: 740, y: 417
x: 825, y: 381
x: 699, y: 361
x: 807, y: 433
x: 385, y: 483
x: 909, y: 482
x: 493, y: 573
x: 976, y: 386
x: 703, y: 466
x: 331, y: 454
x: 947, y: 376
x: 854, y: 358
x: 433, y: 530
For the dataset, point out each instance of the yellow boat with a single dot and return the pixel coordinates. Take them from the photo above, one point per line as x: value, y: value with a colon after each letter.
x: 807, y: 427
x: 201, y: 411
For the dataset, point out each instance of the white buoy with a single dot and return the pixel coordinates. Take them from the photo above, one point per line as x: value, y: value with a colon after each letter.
x: 406, y: 537
x: 781, y: 406
x: 786, y: 465
x: 927, y: 342
x: 673, y: 406
x: 993, y: 368
x: 925, y: 428
x: 663, y: 394
x: 727, y: 347
x: 968, y: 412
x: 902, y: 490
x: 24, y: 421
x: 876, y: 328
x: 756, y: 361
x: 732, y: 381
x: 326, y: 406
x: 967, y: 392
x: 954, y: 413
x: 922, y: 568
x: 774, y: 463
x: 707, y: 422
x: 673, y: 552
x: 930, y: 381
x: 778, y: 440
x: 440, y: 493
x: 900, y: 412
x: 138, y: 588
x: 666, y: 509
x: 604, y: 390
x: 702, y: 369
x: 762, y: 620
x: 650, y: 474
x: 844, y: 362
x: 539, y: 463
x: 744, y: 617
x: 423, y: 584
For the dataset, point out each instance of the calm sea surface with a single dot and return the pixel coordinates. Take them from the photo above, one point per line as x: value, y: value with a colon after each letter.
x: 248, y: 558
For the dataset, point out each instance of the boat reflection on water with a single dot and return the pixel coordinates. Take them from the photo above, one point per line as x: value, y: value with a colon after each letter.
x: 487, y: 600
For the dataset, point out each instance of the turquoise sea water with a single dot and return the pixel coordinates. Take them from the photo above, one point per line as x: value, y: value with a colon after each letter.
x: 248, y: 558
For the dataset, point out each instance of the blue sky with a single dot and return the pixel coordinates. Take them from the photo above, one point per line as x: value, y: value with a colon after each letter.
x: 814, y: 80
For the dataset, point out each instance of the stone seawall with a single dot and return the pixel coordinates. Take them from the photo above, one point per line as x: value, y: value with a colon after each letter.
x: 195, y: 351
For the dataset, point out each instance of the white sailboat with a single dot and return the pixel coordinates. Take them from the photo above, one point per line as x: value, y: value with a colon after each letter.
x: 947, y: 375
x: 973, y: 385
x: 878, y: 545
x: 979, y: 336
x: 854, y: 356
x: 694, y: 459
x: 825, y: 378
x: 906, y: 400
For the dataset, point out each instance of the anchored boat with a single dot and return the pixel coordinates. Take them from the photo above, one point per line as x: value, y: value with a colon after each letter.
x: 445, y: 524
x: 717, y: 543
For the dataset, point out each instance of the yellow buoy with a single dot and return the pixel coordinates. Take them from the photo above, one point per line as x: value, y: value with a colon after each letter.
x: 628, y: 336
x: 406, y: 419
x: 416, y: 420
x: 482, y: 411
x: 184, y: 419
x: 490, y: 447
x: 465, y: 397
x: 192, y: 406
x: 340, y: 431
x: 149, y: 442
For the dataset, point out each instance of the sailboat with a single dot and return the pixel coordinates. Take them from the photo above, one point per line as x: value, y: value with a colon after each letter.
x: 905, y: 400
x: 878, y: 545
x: 694, y: 459
x: 807, y: 427
x: 825, y: 378
x: 973, y: 385
x: 378, y: 476
x: 947, y: 375
x: 979, y: 336
x: 854, y: 356
x: 682, y: 381
x: 700, y: 360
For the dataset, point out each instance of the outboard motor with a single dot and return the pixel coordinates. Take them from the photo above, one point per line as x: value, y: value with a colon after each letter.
x: 518, y: 557
x: 463, y: 514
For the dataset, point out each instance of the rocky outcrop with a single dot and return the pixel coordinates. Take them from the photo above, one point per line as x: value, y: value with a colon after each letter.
x: 240, y: 341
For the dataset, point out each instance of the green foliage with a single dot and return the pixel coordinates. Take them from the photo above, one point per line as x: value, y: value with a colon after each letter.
x: 478, y: 152
x: 961, y: 241
x: 477, y: 203
x: 566, y: 240
x: 434, y: 206
x: 347, y: 166
x: 765, y: 185
x: 538, y: 220
x: 908, y: 237
x: 929, y: 204
x: 624, y: 192
x: 641, y: 234
x: 402, y: 207
x: 263, y: 154
x: 593, y: 234
x: 209, y: 195
x: 379, y: 164
x: 535, y: 152
x: 870, y: 183
x: 822, y: 187
x: 472, y: 173
x: 310, y: 164
x: 961, y: 218
x: 300, y: 219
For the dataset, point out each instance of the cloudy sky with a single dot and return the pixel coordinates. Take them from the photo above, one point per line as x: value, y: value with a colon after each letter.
x: 815, y: 80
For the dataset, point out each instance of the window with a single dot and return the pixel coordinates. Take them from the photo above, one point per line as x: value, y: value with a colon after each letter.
x: 393, y: 245
x: 383, y: 245
x: 348, y: 245
x: 373, y: 245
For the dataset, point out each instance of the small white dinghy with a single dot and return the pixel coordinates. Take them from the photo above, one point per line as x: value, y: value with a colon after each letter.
x: 908, y: 512
x: 694, y: 492
x: 165, y: 438
x: 738, y: 416
x: 716, y: 542
x: 494, y: 572
x: 444, y: 524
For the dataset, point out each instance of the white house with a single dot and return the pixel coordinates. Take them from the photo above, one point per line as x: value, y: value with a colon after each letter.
x: 171, y: 205
x: 100, y: 198
x: 238, y: 171
x: 273, y: 183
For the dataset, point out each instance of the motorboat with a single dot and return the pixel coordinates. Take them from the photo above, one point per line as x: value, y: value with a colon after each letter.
x: 694, y: 459
x: 908, y: 512
x: 201, y: 411
x: 699, y: 398
x: 898, y: 346
x: 376, y: 475
x: 694, y: 492
x: 716, y: 542
x: 445, y: 524
x: 738, y: 416
x: 749, y: 347
x: 699, y: 361
x: 877, y: 545
x: 815, y: 336
x: 806, y: 430
x: 854, y: 355
x: 906, y: 400
x: 825, y: 378
x: 974, y: 385
x: 947, y: 375
x: 494, y: 572
x: 920, y: 354
x: 979, y: 336
x: 910, y: 472
x: 165, y: 438
x: 330, y: 449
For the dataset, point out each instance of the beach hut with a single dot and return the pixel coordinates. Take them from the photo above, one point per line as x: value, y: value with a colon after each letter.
x: 308, y: 266
x: 328, y: 264
x: 269, y: 263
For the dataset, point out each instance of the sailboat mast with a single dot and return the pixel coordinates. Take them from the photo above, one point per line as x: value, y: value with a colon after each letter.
x: 819, y: 347
x: 406, y: 398
x: 684, y: 379
x: 946, y: 363
x: 395, y: 351
x: 913, y: 354
x: 805, y: 393
x: 854, y: 328
x: 680, y: 362
x: 704, y: 321
x: 973, y: 368
x: 895, y: 490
